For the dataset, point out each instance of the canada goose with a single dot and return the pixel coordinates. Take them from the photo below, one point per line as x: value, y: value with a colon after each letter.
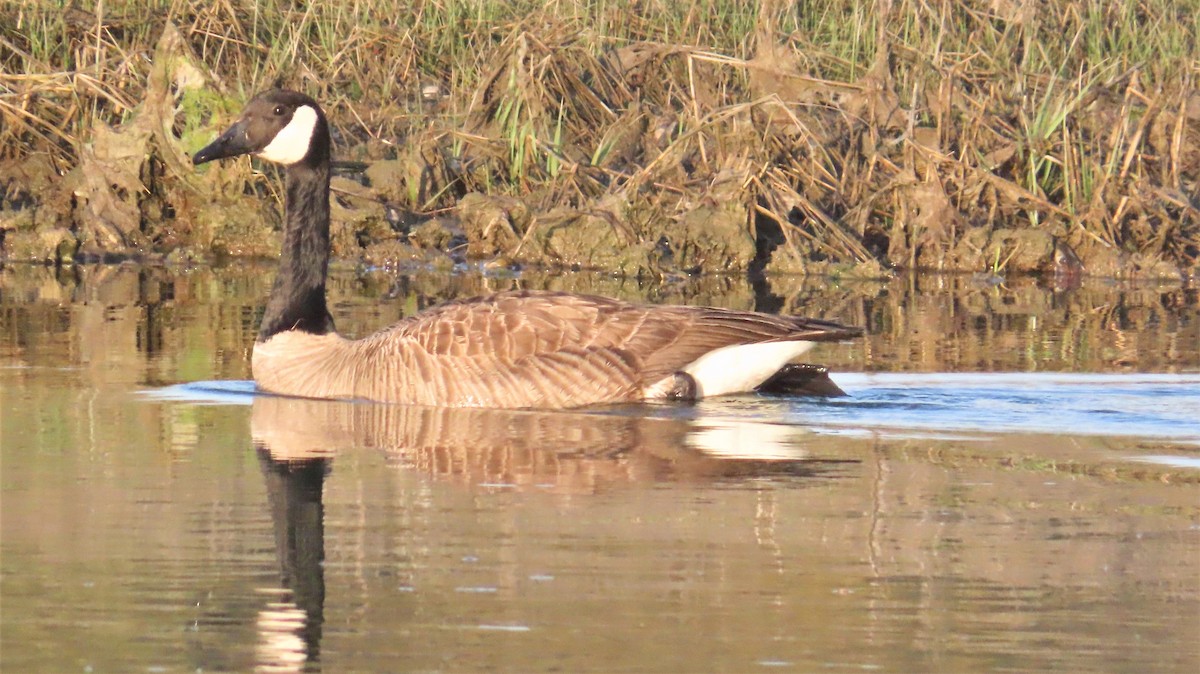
x: 512, y: 349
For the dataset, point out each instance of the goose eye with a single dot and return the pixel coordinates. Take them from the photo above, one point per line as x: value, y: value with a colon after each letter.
x: 278, y: 110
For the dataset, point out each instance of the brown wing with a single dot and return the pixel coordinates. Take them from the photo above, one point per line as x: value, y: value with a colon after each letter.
x: 705, y: 329
x: 527, y: 349
x: 508, y: 350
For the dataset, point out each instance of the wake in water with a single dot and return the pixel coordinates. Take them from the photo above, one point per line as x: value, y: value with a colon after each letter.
x: 1155, y: 406
x: 231, y: 392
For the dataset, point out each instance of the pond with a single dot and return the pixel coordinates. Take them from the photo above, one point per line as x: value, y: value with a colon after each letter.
x: 1013, y: 484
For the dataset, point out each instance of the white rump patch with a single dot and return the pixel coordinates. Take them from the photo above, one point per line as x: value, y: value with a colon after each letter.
x: 740, y: 368
x: 290, y: 145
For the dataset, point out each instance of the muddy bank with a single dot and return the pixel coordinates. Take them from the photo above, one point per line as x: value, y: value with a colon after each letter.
x: 641, y: 158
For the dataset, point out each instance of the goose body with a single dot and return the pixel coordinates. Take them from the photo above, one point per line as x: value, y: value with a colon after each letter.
x: 514, y: 349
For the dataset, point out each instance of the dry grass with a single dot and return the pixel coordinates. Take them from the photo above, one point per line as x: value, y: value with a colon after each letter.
x: 966, y: 134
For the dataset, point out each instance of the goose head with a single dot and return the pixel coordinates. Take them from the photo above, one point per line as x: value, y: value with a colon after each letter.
x: 278, y: 125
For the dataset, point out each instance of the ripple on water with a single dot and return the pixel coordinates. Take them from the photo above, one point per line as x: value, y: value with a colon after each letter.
x: 1152, y: 406
x: 231, y: 392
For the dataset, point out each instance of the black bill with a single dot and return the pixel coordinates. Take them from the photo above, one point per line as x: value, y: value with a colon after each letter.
x: 232, y: 143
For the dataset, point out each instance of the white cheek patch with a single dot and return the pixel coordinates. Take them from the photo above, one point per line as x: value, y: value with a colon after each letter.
x: 291, y: 144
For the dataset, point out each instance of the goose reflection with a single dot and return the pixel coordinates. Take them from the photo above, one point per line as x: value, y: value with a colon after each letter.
x: 557, y: 451
x: 289, y: 626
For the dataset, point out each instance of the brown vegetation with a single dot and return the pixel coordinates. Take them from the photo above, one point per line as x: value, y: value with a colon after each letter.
x: 641, y: 137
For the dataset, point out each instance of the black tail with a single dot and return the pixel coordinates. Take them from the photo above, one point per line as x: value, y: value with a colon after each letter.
x: 802, y: 379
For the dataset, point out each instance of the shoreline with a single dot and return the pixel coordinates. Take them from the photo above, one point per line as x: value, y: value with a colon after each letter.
x: 554, y: 144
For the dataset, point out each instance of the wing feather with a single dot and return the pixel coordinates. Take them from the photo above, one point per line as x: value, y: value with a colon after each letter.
x: 539, y: 349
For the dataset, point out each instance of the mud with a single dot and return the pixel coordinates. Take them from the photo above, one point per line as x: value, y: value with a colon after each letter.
x: 837, y: 181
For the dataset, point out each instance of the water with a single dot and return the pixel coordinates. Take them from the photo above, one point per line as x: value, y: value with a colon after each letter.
x: 1012, y: 486
x: 1148, y: 406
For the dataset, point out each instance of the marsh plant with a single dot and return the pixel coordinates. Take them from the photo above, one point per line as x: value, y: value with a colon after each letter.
x: 846, y: 136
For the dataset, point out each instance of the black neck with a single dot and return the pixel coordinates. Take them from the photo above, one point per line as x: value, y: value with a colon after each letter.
x: 297, y: 300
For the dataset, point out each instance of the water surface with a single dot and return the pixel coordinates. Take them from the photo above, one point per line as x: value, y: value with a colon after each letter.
x: 1012, y: 485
